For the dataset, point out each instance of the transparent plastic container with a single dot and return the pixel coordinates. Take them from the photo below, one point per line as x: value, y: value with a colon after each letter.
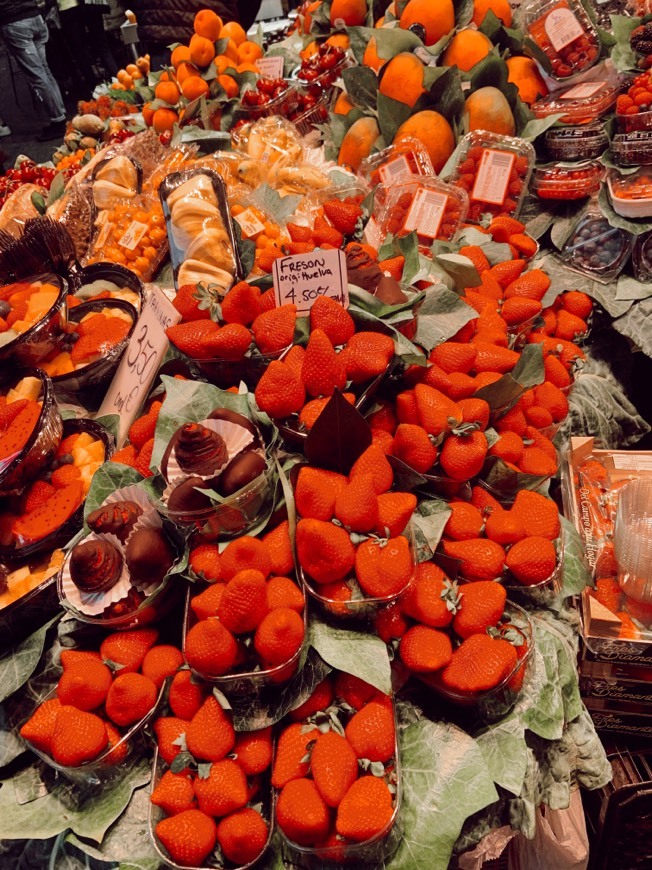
x: 16, y: 472
x: 397, y: 163
x: 497, y: 702
x: 576, y: 143
x: 131, y: 288
x: 563, y: 31
x: 305, y: 117
x: 631, y: 195
x: 560, y: 181
x: 495, y: 171
x: 225, y: 373
x: 581, y: 104
x: 542, y: 593
x: 596, y: 248
x: 434, y: 209
x: 632, y: 149
x: 634, y: 123
x: 281, y: 106
x: 633, y: 540
x: 642, y: 257
x: 323, y: 82
x: 37, y: 342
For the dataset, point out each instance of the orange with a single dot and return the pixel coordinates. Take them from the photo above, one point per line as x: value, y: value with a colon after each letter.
x: 133, y: 71
x: 248, y: 52
x: 246, y: 67
x: 402, y: 78
x: 127, y: 82
x: 466, y: 48
x: 222, y: 63
x: 309, y: 51
x: 351, y: 12
x: 488, y: 109
x: 166, y: 76
x: 371, y: 58
x: 233, y: 30
x: 524, y: 73
x: 343, y: 104
x: 164, y: 119
x: 148, y: 114
x: 358, y: 142
x: 434, y: 131
x: 230, y: 86
x: 208, y: 24
x: 341, y: 40
x: 202, y: 50
x: 185, y: 71
x: 231, y: 50
x: 168, y: 92
x: 500, y: 8
x: 122, y: 74
x: 180, y: 54
x: 194, y: 87
x: 436, y: 16
x: 143, y: 64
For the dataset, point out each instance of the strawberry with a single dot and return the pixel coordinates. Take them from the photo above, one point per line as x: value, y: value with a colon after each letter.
x: 530, y: 285
x: 144, y: 458
x: 538, y: 463
x: 492, y: 358
x: 301, y: 813
x: 316, y: 491
x: 513, y: 421
x: 437, y: 413
x: 343, y: 215
x: 525, y: 245
x: 280, y: 391
x: 507, y: 272
x: 483, y: 500
x: 142, y: 429
x: 569, y: 326
x: 556, y: 372
x: 161, y: 662
x: 509, y: 447
x: 266, y: 301
x: 291, y: 750
x: 322, y: 370
x: 462, y: 456
x: 130, y: 698
x: 532, y: 560
x: 127, y: 456
x: 311, y: 410
x: 245, y: 552
x: 207, y: 602
x: 551, y: 397
x: 186, y: 695
x: 371, y: 732
x: 503, y: 226
x: 174, y: 793
x: 243, y: 604
x: 356, y: 505
x: 9, y: 412
x: 253, y: 750
x: 168, y: 730
x: 406, y: 408
x: 477, y: 256
x: 320, y: 698
x: 481, y: 606
x: 384, y: 570
x: 334, y: 767
x: 451, y: 356
x: 299, y: 233
x: 413, y: 446
x: 240, y: 305
x: 504, y: 527
x: 393, y: 266
x: 77, y: 737
x: 325, y: 236
x: 374, y: 462
x: 577, y: 303
x: 479, y: 664
x: 353, y: 690
x: 383, y: 440
x: 210, y: 648
x: 189, y: 837
x: 475, y: 411
x: 196, y: 301
x: 426, y: 600
x: 394, y: 512
x: 50, y: 515
x: 390, y: 623
x: 424, y: 650
x: 383, y: 417
x: 283, y: 592
x: 224, y: 790
x: 266, y: 258
x: 333, y: 319
x: 64, y: 476
x: 294, y: 358
x: 127, y: 649
x: 464, y: 523
x: 84, y: 685
x: 539, y: 417
x: 366, y: 809
x: 36, y: 495
x: 368, y: 354
x: 39, y: 728
x: 517, y: 309
x: 274, y: 330
x: 120, y: 748
x: 192, y: 338
x: 113, y: 332
x: 279, y: 549
x: 205, y: 562
x: 479, y: 560
x: 242, y: 836
x: 73, y: 657
x: 231, y: 342
x: 210, y: 735
x: 279, y: 636
x: 608, y: 593
x: 17, y: 433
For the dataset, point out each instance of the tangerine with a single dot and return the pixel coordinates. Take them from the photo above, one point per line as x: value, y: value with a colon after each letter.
x: 208, y: 24
x: 194, y: 87
x: 248, y: 52
x: 233, y: 30
x: 466, y: 48
x: 164, y: 120
x: 202, y: 50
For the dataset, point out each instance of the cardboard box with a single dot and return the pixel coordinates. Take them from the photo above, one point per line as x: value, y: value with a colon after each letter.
x: 626, y: 718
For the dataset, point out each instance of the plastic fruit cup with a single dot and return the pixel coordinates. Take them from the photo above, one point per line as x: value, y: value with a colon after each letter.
x: 113, y: 272
x: 225, y: 373
x: 17, y: 472
x: 37, y: 342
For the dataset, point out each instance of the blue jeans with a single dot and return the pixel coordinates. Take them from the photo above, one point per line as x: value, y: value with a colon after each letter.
x: 26, y: 41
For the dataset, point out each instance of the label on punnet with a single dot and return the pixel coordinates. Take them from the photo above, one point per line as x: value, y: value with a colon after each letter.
x: 132, y: 235
x: 426, y: 212
x: 303, y: 278
x: 581, y: 92
x: 249, y: 223
x: 562, y: 28
x: 492, y: 179
x: 395, y: 170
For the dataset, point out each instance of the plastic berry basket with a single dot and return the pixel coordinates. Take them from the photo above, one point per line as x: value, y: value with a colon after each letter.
x: 581, y: 104
x: 17, y: 471
x: 495, y: 172
x: 156, y: 814
x: 134, y: 743
x: 225, y: 373
x: 596, y: 248
x: 563, y: 31
x: 37, y: 342
x: 576, y: 143
x: 281, y: 105
x: 632, y: 149
x: 631, y: 195
x: 542, y: 593
x: 131, y: 287
x: 324, y: 81
x: 434, y: 209
x: 497, y: 702
x: 396, y: 164
x: 634, y: 123
x: 642, y: 257
x: 60, y: 537
x: 560, y: 181
x: 306, y: 120
x: 251, y: 680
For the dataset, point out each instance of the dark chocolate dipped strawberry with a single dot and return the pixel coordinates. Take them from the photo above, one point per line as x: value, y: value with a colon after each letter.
x: 117, y: 518
x: 245, y: 467
x: 185, y: 498
x: 199, y: 450
x: 148, y: 555
x: 361, y: 269
x: 95, y: 566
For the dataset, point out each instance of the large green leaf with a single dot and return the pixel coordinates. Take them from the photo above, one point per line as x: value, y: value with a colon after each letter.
x: 442, y: 314
x: 361, y: 86
x: 357, y: 652
x: 429, y: 520
x: 19, y: 662
x: 505, y: 752
x: 391, y: 114
x: 576, y: 573
x: 527, y: 372
x: 635, y: 325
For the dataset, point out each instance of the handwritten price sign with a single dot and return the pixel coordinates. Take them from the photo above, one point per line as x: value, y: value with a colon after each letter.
x: 304, y: 277
x: 141, y: 361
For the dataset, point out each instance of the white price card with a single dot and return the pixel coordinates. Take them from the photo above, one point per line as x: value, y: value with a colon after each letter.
x: 270, y: 67
x: 140, y: 362
x: 302, y: 278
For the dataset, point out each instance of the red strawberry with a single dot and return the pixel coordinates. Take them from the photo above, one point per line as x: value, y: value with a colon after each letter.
x: 189, y: 837
x: 532, y: 560
x: 302, y: 814
x: 353, y: 690
x: 144, y: 459
x: 274, y: 330
x: 324, y: 234
x: 462, y: 456
x: 475, y: 411
x: 142, y: 429
x: 479, y: 664
x: 174, y: 793
x: 577, y: 303
x: 186, y: 695
x: 39, y: 728
x: 413, y: 446
x: 322, y: 370
x: 125, y: 650
x: 503, y: 226
x: 394, y: 512
x: 530, y: 285
x: 84, y: 685
x: 518, y: 309
x: 210, y: 735
x: 356, y: 505
x: 481, y: 606
x: 343, y: 215
x: 424, y: 650
x: 477, y: 256
x: 426, y: 600
x: 231, y: 342
x: 37, y: 494
x: 393, y: 266
x: 253, y: 750
x: 492, y: 358
x: 569, y: 326
x: 191, y: 338
x: 224, y: 790
x: 9, y: 412
x: 242, y: 836
x: 331, y: 317
x: 320, y: 699
x: 368, y: 354
x: 299, y: 233
x: 334, y: 767
x: 241, y: 304
x: 366, y: 809
x: 78, y: 737
x: 371, y: 732
x: 507, y: 272
x: 210, y: 648
x: 437, y: 413
x: 479, y: 559
x: 374, y: 462
x: 205, y: 562
x: 195, y: 301
x: 291, y: 749
x: 451, y: 356
x: 168, y: 730
x: 280, y: 391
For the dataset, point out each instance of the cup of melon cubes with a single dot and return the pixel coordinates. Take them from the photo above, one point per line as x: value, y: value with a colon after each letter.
x: 33, y: 318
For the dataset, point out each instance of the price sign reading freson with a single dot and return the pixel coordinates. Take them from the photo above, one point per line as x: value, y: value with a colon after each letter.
x: 140, y: 362
x: 301, y: 279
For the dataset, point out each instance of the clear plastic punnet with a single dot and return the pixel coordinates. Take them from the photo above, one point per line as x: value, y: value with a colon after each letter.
x: 596, y: 248
x: 397, y: 163
x: 631, y: 195
x: 583, y: 142
x: 434, y: 209
x: 564, y: 32
x: 561, y: 181
x: 583, y: 103
x: 632, y: 149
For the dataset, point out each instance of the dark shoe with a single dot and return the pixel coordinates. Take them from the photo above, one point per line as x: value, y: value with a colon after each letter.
x: 54, y: 130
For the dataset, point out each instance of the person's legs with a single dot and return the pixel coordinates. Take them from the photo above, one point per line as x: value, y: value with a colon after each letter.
x: 26, y: 41
x: 94, y: 21
x: 74, y: 32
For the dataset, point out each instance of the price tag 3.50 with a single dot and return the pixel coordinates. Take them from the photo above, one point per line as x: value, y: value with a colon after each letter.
x: 147, y: 347
x: 305, y: 277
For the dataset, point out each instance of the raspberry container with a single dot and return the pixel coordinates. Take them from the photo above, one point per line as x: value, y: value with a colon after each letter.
x: 104, y: 277
x: 434, y: 209
x: 596, y: 248
x: 581, y: 104
x: 495, y: 171
x: 576, y: 143
x: 631, y: 195
x: 632, y: 149
x: 560, y: 181
x: 563, y: 31
x: 33, y: 345
x: 17, y: 471
x: 497, y: 702
x: 277, y: 106
x: 397, y: 163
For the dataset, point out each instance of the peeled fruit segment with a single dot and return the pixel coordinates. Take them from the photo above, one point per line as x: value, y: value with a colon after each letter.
x: 437, y: 17
x: 488, y: 109
x: 358, y: 142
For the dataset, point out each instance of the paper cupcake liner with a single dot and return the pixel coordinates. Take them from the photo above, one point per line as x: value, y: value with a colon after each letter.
x: 149, y: 519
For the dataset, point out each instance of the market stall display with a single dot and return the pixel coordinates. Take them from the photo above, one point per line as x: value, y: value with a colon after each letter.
x: 304, y: 338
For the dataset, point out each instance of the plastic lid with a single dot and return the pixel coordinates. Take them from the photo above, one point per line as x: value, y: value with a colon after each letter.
x: 583, y: 103
x: 428, y: 206
x: 582, y: 133
x: 563, y: 31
